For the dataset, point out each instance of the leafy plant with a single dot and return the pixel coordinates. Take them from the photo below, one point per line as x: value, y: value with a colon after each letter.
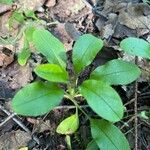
x: 26, y: 22
x: 41, y: 97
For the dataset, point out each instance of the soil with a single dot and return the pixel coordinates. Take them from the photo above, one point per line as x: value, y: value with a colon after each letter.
x: 112, y: 20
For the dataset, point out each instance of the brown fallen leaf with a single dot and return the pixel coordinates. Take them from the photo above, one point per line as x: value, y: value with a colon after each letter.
x: 30, y: 5
x: 134, y: 22
x: 60, y: 32
x: 6, y: 57
x: 14, y: 140
x: 4, y: 31
x: 21, y: 75
x: 4, y: 8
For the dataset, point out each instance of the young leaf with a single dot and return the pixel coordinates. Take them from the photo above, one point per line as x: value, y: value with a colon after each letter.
x: 37, y: 99
x: 116, y: 72
x: 16, y: 17
x: 29, y: 33
x: 103, y: 99
x: 85, y: 50
x: 136, y: 46
x: 69, y: 125
x: 50, y: 47
x: 92, y: 146
x: 24, y: 54
x: 6, y: 1
x: 52, y: 72
x: 108, y: 136
x: 30, y: 14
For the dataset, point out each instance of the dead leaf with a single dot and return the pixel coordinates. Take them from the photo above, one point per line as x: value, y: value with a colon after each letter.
x: 21, y: 75
x: 107, y: 31
x: 60, y: 32
x: 134, y: 22
x: 4, y: 31
x: 6, y: 57
x: 30, y: 5
x: 14, y: 140
x: 4, y: 8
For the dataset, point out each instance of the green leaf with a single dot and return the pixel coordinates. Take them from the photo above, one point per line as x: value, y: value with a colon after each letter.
x: 24, y: 54
x: 29, y: 33
x: 30, y: 14
x: 50, y: 47
x: 69, y: 125
x: 92, y: 146
x: 108, y: 136
x: 6, y: 1
x: 103, y: 99
x: 116, y: 72
x: 85, y: 50
x: 52, y: 72
x: 136, y: 46
x: 37, y: 99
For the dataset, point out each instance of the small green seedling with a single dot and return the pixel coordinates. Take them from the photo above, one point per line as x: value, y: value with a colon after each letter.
x: 27, y: 22
x: 40, y: 97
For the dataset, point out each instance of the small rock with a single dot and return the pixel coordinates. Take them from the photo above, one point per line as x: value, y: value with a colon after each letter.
x: 50, y: 3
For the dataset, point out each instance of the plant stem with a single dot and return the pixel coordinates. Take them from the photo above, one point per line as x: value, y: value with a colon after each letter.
x: 68, y: 141
x: 78, y: 106
x: 136, y: 110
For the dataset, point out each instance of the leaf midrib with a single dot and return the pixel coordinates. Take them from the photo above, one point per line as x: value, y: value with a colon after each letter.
x: 80, y: 59
x: 33, y: 99
x: 53, y: 52
x: 96, y: 72
x: 105, y: 102
x: 108, y: 138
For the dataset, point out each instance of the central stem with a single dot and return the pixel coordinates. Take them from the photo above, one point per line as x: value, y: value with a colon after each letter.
x: 77, y: 105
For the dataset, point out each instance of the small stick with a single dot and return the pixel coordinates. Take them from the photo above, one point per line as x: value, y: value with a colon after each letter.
x: 19, y: 123
x: 70, y: 107
x: 136, y: 110
x: 7, y: 119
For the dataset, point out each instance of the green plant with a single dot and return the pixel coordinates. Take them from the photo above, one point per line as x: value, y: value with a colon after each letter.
x: 26, y: 22
x: 6, y: 1
x: 40, y: 97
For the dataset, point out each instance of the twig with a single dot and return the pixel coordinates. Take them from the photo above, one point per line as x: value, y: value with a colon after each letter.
x: 124, y: 125
x: 19, y: 123
x: 70, y: 107
x: 131, y: 101
x: 136, y: 110
x: 7, y: 119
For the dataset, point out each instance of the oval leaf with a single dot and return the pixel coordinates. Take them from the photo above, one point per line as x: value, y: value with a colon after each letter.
x: 108, y: 136
x: 50, y: 47
x: 116, y: 72
x: 136, y: 46
x: 52, y: 72
x: 25, y: 53
x: 37, y: 98
x: 85, y: 50
x: 23, y: 56
x: 92, y: 146
x: 69, y: 125
x: 29, y: 33
x: 103, y: 99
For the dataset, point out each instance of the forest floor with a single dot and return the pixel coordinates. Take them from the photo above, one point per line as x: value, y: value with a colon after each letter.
x: 112, y: 21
